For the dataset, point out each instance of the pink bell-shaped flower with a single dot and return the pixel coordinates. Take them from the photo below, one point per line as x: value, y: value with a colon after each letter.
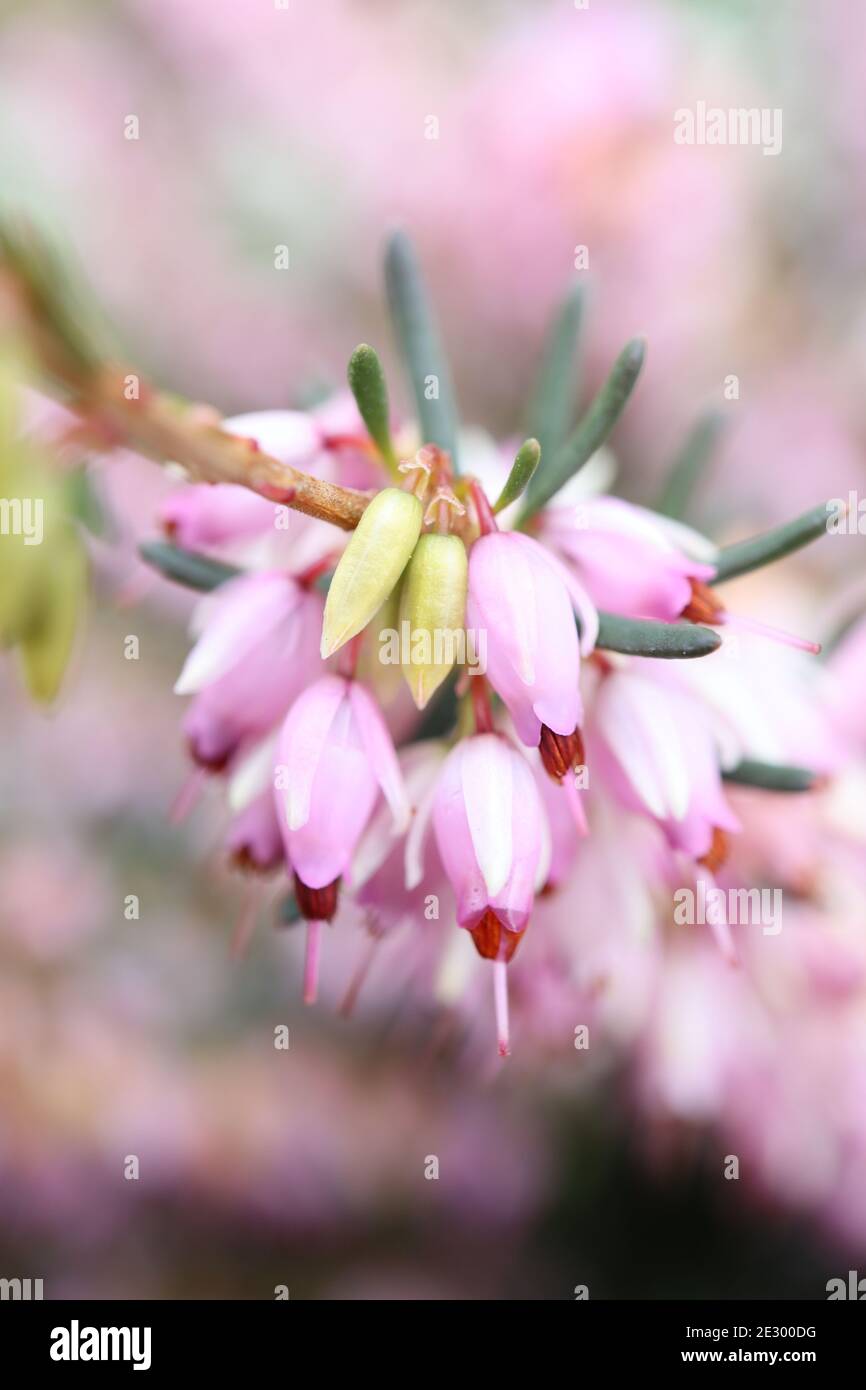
x: 333, y: 757
x: 257, y: 647
x: 492, y: 837
x: 521, y: 603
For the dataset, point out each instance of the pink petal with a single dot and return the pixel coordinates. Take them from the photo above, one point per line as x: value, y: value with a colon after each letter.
x: 500, y: 586
x: 302, y: 742
x: 245, y: 614
x: 486, y: 777
x: 380, y: 751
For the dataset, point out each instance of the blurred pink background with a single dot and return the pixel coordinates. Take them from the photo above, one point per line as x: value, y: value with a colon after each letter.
x: 309, y: 126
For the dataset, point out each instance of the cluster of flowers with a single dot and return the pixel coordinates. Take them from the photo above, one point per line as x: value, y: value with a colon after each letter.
x: 293, y: 707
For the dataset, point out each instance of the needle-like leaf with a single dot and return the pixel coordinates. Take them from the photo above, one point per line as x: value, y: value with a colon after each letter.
x: 643, y: 637
x: 525, y: 463
x: 368, y: 386
x: 554, y: 399
x: 773, y: 777
x: 421, y: 344
x: 186, y: 567
x: 772, y: 545
x: 592, y: 430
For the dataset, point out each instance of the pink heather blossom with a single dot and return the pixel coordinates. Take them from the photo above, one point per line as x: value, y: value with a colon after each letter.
x: 488, y: 823
x: 658, y: 750
x: 523, y: 600
x: 257, y: 647
x: 204, y: 516
x: 493, y: 841
x: 731, y: 685
x: 629, y: 560
x: 490, y: 830
x: 335, y: 754
x: 254, y: 840
x: 384, y: 868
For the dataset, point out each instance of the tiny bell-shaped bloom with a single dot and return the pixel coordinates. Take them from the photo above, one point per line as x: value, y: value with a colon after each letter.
x: 492, y: 838
x: 333, y: 757
x: 205, y: 516
x: 253, y: 840
x: 488, y: 821
x: 256, y: 650
x: 630, y: 560
x: 660, y: 755
x: 432, y: 613
x: 522, y: 599
x: 370, y: 566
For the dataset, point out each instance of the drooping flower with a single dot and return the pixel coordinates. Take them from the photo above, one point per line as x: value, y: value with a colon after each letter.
x: 660, y: 754
x: 256, y: 649
x: 492, y: 837
x: 254, y: 840
x: 204, y: 516
x: 333, y: 757
x: 523, y: 599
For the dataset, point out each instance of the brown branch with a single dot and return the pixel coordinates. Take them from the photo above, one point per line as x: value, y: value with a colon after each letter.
x: 118, y: 408
x: 156, y: 426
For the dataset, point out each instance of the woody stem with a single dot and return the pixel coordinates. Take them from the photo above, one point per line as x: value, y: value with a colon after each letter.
x: 121, y: 409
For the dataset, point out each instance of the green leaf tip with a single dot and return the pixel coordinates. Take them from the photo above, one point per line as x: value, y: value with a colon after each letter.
x: 418, y: 336
x: 526, y: 461
x: 368, y: 386
x: 774, y: 777
x: 592, y: 429
x: 645, y: 637
x: 187, y: 567
x: 752, y: 554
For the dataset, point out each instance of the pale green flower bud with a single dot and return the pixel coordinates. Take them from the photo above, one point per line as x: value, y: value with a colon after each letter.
x: 370, y: 565
x: 433, y: 605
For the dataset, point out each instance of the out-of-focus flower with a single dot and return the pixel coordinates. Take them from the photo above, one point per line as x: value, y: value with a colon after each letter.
x: 660, y: 754
x: 257, y: 645
x: 334, y: 756
x: 630, y: 560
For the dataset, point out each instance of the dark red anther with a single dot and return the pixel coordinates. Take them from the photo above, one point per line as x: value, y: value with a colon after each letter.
x: 560, y: 753
x: 492, y: 940
x: 317, y: 904
x: 703, y: 606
